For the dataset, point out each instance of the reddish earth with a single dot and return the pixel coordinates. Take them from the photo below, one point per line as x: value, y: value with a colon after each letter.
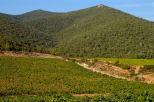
x: 149, y: 79
x: 32, y: 54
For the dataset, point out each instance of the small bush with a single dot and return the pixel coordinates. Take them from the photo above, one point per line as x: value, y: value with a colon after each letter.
x: 116, y: 63
x: 83, y: 60
x: 73, y: 60
x: 124, y: 66
x: 147, y: 68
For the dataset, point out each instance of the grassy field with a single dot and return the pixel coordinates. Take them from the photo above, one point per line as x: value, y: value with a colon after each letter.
x: 42, y: 76
x: 138, y: 62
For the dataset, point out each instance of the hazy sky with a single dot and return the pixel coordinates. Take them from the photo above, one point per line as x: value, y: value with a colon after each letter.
x: 140, y: 8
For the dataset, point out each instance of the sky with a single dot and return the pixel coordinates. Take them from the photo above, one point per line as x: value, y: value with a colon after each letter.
x: 140, y: 8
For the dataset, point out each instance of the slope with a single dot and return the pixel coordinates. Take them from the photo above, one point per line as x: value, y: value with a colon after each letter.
x: 108, y: 33
x: 98, y: 31
x: 36, y: 14
x: 17, y: 36
x: 50, y: 22
x: 44, y: 76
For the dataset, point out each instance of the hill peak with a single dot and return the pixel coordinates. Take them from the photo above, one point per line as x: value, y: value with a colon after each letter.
x: 100, y: 6
x: 38, y: 11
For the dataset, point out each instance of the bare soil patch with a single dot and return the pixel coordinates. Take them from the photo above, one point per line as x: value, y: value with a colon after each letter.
x: 32, y: 54
x: 149, y: 79
x: 90, y: 95
x: 102, y: 67
x: 108, y: 69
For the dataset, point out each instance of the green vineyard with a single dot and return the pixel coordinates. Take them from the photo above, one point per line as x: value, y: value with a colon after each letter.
x: 30, y: 78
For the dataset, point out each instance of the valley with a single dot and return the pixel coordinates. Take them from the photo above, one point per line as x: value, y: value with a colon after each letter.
x: 97, y: 54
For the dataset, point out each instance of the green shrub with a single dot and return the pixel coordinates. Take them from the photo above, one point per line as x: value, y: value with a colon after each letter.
x: 147, y: 68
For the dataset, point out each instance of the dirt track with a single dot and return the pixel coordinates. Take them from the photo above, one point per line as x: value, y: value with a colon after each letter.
x: 32, y: 54
x: 112, y: 71
x: 100, y: 67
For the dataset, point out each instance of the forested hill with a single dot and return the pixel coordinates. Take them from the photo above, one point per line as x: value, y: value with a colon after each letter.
x: 17, y: 36
x: 36, y: 14
x: 109, y: 33
x: 98, y: 31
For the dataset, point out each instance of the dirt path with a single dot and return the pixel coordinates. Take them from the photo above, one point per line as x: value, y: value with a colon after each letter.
x: 100, y: 67
x: 112, y: 71
x: 18, y: 95
x: 90, y: 95
x: 137, y: 69
x: 149, y: 79
x: 32, y: 54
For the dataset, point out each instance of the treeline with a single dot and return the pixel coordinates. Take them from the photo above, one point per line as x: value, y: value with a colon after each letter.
x: 16, y: 36
x: 8, y: 44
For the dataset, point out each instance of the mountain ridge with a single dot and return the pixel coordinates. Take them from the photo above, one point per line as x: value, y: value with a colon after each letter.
x: 91, y: 32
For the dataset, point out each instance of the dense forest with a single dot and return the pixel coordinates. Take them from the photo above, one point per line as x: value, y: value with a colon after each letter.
x: 98, y: 31
x: 16, y: 36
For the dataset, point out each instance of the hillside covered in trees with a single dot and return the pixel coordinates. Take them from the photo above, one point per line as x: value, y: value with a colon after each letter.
x: 98, y: 31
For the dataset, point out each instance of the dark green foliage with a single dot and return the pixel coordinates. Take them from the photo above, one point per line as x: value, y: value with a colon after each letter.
x: 148, y: 68
x: 125, y: 66
x: 16, y: 36
x: 92, y: 32
x: 109, y: 33
x: 129, y: 97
